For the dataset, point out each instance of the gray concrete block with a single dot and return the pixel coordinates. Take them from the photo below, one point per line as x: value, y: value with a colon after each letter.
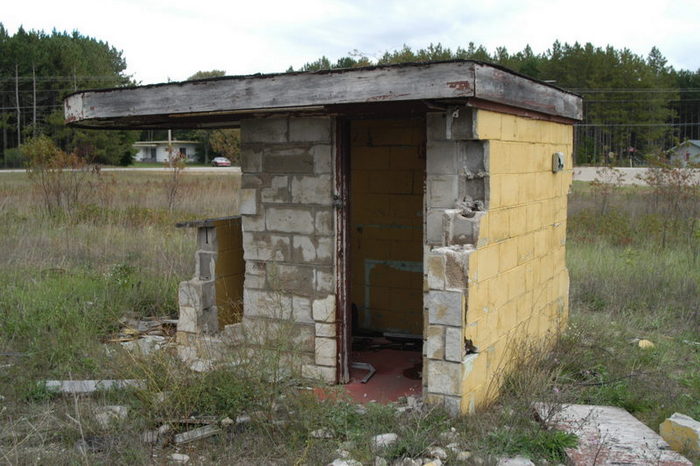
x: 277, y: 192
x: 312, y: 190
x: 288, y: 159
x: 264, y: 130
x: 248, y: 201
x: 444, y: 377
x: 251, y: 158
x: 445, y: 308
x: 310, y: 129
x: 323, y: 158
x: 442, y: 190
x: 290, y: 219
x: 325, y: 222
x: 264, y: 246
x: 454, y: 344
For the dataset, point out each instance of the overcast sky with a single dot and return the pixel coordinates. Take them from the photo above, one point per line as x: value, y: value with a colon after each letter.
x: 172, y: 39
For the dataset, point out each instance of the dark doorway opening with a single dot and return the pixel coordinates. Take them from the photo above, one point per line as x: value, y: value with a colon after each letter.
x: 385, y: 257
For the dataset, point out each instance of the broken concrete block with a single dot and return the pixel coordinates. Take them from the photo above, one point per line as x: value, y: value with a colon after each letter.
x: 682, y: 433
x: 180, y: 458
x: 197, y: 294
x: 384, y: 440
x: 608, y: 435
x: 515, y: 461
x: 321, y: 433
x: 196, y: 434
x: 105, y: 415
x: 88, y: 386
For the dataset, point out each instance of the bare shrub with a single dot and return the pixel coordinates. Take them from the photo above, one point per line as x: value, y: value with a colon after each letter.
x: 606, y: 183
x: 62, y: 179
x: 675, y: 196
x: 173, y: 184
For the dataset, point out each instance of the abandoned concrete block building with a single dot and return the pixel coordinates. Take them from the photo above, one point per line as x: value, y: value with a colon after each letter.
x: 421, y: 202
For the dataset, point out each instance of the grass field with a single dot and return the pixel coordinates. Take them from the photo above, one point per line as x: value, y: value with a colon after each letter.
x: 66, y: 281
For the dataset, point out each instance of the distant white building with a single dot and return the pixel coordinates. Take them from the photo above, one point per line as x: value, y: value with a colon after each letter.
x: 157, y: 151
x: 686, y: 152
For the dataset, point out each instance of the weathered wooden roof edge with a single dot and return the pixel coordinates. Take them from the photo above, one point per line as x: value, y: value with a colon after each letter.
x: 236, y: 95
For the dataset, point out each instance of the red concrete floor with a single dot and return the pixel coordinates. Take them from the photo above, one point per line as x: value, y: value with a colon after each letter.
x: 389, y: 383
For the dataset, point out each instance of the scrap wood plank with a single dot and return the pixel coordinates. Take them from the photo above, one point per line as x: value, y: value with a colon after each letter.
x: 608, y: 435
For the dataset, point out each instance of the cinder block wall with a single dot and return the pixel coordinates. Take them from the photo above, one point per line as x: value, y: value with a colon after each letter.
x: 288, y: 236
x: 518, y: 280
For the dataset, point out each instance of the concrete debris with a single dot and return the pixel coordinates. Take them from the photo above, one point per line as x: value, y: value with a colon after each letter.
x: 454, y: 447
x: 159, y: 436
x: 437, y: 452
x: 78, y: 387
x: 449, y: 436
x: 201, y: 365
x: 105, y: 415
x: 384, y: 440
x: 227, y: 421
x: 243, y: 419
x: 146, y: 345
x: 321, y: 433
x: 196, y: 434
x: 407, y: 462
x: 345, y: 462
x: 180, y: 458
x: 379, y: 461
x: 464, y: 455
x: 435, y: 462
x: 516, y: 461
x: 608, y: 435
x: 343, y: 454
x: 682, y: 433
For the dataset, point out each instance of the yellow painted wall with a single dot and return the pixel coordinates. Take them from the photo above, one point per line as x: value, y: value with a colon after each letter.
x: 386, y: 226
x: 518, y: 281
x: 230, y: 269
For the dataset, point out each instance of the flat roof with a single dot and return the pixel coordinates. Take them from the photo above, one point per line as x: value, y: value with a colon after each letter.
x: 224, y: 101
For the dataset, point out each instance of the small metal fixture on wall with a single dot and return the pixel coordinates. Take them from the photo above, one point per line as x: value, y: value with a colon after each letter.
x: 557, y: 162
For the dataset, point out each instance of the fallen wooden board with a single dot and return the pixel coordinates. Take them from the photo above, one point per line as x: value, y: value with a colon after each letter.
x: 89, y: 386
x: 608, y: 435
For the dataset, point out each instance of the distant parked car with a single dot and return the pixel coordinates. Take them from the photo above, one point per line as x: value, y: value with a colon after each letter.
x: 220, y: 162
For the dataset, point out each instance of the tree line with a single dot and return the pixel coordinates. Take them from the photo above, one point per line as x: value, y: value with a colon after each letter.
x: 634, y: 105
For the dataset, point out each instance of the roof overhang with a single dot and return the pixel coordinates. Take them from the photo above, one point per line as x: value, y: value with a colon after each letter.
x: 223, y: 102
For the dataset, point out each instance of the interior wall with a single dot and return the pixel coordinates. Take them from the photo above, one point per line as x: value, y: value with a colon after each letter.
x: 229, y: 272
x: 386, y: 226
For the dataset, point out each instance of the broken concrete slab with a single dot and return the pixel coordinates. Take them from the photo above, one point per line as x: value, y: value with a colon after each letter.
x: 682, y: 433
x: 608, y: 435
x: 384, y: 440
x: 105, y: 415
x: 515, y: 461
x: 179, y: 458
x: 78, y: 387
x: 196, y: 434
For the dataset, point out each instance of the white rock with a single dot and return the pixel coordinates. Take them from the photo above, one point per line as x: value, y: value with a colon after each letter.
x: 435, y: 462
x: 321, y: 433
x: 515, y: 461
x: 437, y: 452
x: 464, y: 455
x: 384, y: 440
x: 345, y: 462
x: 179, y: 458
x: 105, y: 415
x: 201, y: 365
x: 243, y: 419
x: 454, y: 447
x: 379, y: 461
x: 343, y: 454
x: 227, y: 421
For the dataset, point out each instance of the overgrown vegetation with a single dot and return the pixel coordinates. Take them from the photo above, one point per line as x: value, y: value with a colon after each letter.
x: 67, y: 281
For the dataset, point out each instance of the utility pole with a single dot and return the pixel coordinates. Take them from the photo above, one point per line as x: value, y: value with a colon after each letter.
x: 19, y: 132
x: 34, y: 95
